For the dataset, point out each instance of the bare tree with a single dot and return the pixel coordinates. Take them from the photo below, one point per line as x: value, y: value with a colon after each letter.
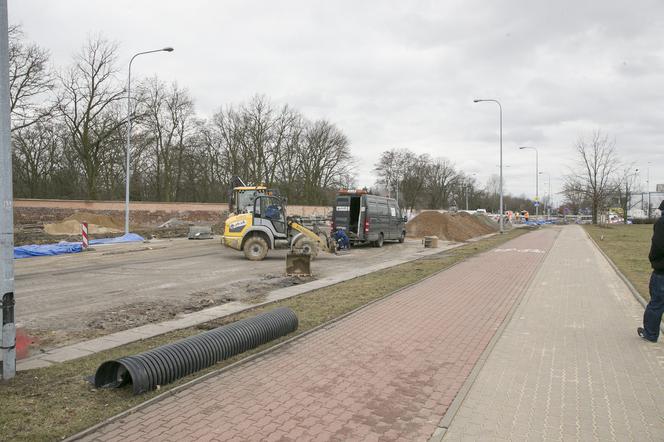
x: 464, y: 189
x: 323, y: 159
x: 37, y: 152
x: 258, y: 140
x: 213, y: 171
x: 30, y: 79
x: 492, y: 189
x: 292, y: 129
x: 168, y: 121
x: 88, y: 104
x: 414, y: 179
x: 625, y: 187
x: 251, y: 135
x: 441, y: 179
x: 391, y: 169
x: 594, y: 176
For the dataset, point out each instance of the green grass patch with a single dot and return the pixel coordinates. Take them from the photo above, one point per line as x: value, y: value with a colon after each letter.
x: 57, y: 401
x: 628, y: 247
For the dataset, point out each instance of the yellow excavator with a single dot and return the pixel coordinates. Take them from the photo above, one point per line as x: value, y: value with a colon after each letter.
x: 258, y: 222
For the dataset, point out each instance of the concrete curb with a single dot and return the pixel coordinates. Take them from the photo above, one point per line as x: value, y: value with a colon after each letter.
x: 446, y: 421
x: 627, y: 282
x: 248, y: 359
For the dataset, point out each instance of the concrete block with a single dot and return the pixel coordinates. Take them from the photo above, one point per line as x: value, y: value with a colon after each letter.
x: 97, y: 345
x: 65, y: 354
x: 31, y: 364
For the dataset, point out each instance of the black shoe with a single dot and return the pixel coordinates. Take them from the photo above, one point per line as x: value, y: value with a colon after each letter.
x: 642, y: 333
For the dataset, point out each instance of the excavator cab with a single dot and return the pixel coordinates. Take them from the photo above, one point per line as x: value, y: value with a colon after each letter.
x: 269, y: 211
x: 242, y: 197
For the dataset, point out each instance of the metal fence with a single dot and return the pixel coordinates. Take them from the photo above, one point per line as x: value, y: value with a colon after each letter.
x: 643, y: 205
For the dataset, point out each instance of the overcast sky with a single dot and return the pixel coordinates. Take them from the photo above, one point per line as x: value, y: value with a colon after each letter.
x: 403, y: 74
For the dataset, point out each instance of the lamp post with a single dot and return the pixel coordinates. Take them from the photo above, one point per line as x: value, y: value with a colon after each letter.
x: 501, y: 155
x: 547, y: 210
x: 168, y: 49
x: 630, y: 183
x: 7, y: 324
x: 536, y: 177
x: 648, y: 188
x: 465, y: 187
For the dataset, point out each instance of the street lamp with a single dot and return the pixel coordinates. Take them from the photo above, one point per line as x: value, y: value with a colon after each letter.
x: 168, y: 49
x: 548, y: 211
x: 536, y: 177
x: 466, y: 189
x: 501, y: 156
x: 648, y: 188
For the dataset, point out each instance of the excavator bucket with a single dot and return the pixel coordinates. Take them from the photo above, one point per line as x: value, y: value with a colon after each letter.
x: 298, y: 264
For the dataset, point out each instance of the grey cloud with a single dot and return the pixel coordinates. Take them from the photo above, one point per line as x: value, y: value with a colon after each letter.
x: 403, y: 74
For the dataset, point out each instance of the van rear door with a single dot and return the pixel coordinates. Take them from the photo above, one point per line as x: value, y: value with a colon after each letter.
x: 342, y: 213
x: 347, y: 215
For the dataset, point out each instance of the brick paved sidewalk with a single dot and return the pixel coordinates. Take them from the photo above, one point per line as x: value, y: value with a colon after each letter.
x: 569, y: 365
x: 389, y: 371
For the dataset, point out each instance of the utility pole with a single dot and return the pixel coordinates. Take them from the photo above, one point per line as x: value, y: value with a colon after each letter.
x: 466, y: 197
x: 648, y: 188
x: 128, y: 149
x: 500, y: 108
x: 6, y: 208
x: 536, y: 178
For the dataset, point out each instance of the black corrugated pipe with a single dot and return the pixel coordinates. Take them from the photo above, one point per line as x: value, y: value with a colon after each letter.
x: 167, y: 363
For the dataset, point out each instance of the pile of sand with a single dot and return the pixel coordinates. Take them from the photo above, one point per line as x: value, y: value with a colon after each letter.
x: 450, y: 226
x: 97, y: 224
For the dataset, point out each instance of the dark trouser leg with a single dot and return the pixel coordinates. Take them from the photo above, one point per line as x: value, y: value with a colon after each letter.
x: 652, y: 317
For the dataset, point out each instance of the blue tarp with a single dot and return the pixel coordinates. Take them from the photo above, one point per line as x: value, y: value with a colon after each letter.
x: 68, y: 247
x: 539, y: 222
x: 129, y: 237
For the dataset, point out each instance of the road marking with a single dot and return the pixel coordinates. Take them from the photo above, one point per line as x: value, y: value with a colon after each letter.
x: 519, y: 250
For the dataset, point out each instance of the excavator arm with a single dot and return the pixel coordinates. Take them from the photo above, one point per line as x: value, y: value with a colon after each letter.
x: 326, y: 245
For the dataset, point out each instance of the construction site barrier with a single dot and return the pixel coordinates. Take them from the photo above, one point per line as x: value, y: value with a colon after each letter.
x: 84, y: 234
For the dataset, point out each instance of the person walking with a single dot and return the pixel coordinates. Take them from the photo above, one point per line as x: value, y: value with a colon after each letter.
x: 652, y: 317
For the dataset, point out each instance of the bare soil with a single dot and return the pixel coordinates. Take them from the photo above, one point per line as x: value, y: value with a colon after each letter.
x: 140, y: 313
x: 40, y: 225
x: 459, y: 226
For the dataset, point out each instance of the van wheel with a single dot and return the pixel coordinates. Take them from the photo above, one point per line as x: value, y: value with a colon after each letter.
x: 380, y: 241
x: 255, y: 248
x: 402, y: 238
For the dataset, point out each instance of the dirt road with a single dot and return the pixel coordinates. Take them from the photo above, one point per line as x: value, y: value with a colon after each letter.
x: 71, y: 297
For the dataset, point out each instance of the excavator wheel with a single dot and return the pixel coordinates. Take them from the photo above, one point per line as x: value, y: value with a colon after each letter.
x: 255, y: 248
x: 305, y: 246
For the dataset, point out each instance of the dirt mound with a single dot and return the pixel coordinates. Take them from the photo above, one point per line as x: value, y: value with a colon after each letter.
x: 97, y: 224
x: 449, y: 226
x: 487, y: 222
x: 97, y: 219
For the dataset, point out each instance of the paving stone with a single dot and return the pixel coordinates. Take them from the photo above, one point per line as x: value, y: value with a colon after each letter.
x: 382, y: 365
x: 577, y: 367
